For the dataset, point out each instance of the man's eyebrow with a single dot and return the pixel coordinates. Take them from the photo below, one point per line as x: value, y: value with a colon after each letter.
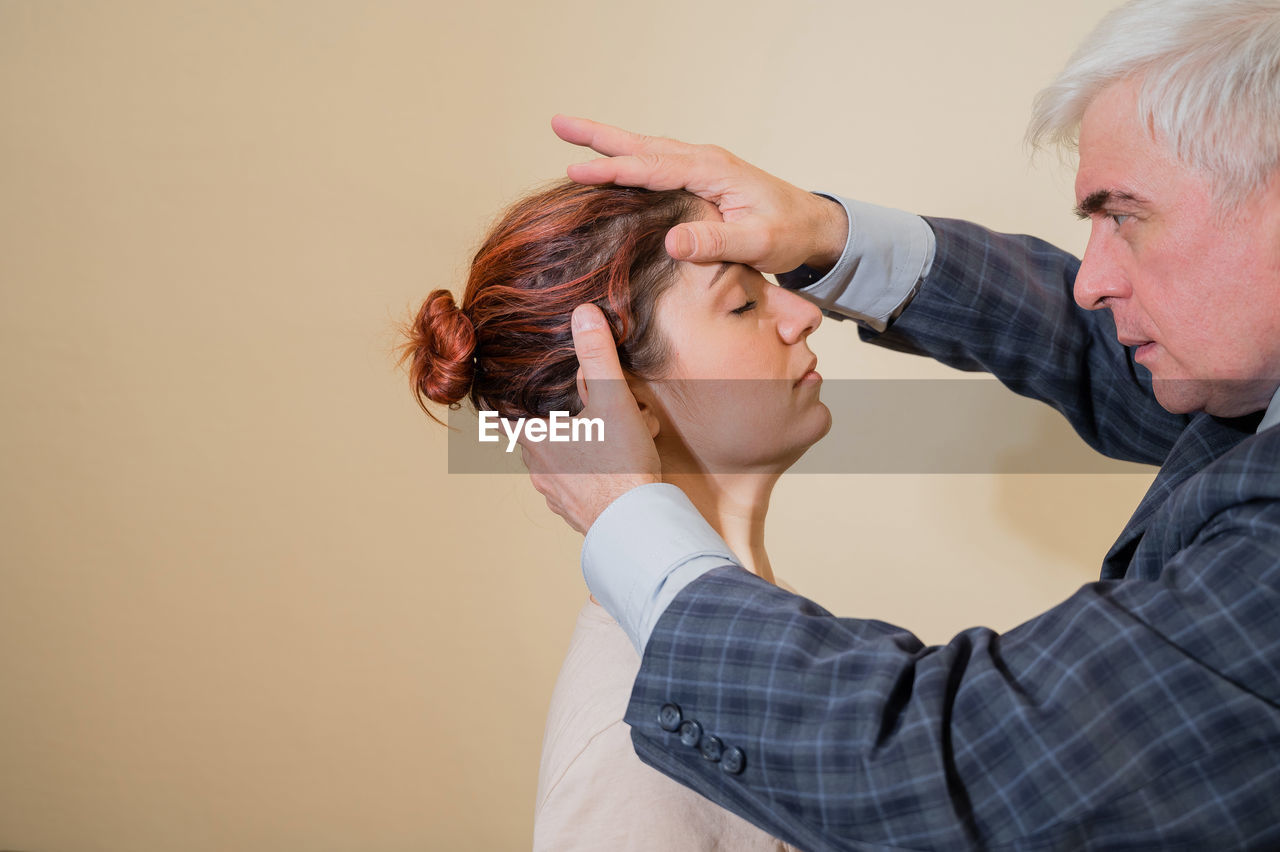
x: 724, y: 267
x: 1101, y: 199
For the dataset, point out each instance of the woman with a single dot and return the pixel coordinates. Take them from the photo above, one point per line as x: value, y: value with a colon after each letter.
x: 717, y: 359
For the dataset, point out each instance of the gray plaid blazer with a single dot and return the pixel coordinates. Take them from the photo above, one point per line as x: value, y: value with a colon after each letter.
x: 1141, y: 713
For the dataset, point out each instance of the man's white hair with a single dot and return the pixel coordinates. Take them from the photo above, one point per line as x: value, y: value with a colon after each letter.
x: 1210, y: 84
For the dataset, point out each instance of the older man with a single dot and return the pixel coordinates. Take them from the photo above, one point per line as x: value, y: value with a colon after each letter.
x: 1143, y: 712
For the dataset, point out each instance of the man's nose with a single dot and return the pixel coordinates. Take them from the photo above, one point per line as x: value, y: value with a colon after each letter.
x: 1101, y: 277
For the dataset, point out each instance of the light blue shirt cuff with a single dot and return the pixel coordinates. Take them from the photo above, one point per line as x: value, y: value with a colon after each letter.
x: 643, y: 549
x: 887, y: 254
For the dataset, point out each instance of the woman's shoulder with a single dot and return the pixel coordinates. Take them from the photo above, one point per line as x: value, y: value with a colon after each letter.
x: 590, y: 694
x: 599, y: 664
x: 608, y: 799
x: 593, y: 792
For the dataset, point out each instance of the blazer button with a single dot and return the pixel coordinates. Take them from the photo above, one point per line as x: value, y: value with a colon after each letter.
x: 712, y: 748
x: 734, y: 761
x: 690, y: 733
x: 669, y: 717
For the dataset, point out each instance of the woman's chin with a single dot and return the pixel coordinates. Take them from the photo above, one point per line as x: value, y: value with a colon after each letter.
x: 743, y: 450
x: 773, y: 459
x: 824, y: 418
x: 819, y: 424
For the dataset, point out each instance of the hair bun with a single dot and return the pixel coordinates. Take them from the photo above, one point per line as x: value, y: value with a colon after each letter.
x: 441, y: 343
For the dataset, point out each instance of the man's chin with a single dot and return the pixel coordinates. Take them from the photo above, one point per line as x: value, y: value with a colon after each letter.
x: 1219, y: 397
x: 1176, y: 396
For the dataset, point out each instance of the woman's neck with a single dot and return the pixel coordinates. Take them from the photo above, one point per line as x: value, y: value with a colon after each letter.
x: 735, y: 505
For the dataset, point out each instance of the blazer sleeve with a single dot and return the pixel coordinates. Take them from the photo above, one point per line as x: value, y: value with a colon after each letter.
x: 1137, y: 713
x: 1003, y: 304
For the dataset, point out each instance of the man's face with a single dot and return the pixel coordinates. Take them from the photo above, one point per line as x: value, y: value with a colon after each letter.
x: 1195, y: 289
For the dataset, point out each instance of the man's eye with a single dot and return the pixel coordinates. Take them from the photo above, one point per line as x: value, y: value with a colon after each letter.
x: 751, y: 303
x: 1119, y: 218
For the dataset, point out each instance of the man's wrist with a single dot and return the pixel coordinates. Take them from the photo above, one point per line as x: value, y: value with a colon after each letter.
x: 830, y: 232
x: 619, y: 487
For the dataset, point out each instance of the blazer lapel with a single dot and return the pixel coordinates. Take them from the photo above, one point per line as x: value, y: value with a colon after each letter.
x: 1204, y: 439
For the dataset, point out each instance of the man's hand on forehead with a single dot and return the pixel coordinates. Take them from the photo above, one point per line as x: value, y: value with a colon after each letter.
x: 767, y: 222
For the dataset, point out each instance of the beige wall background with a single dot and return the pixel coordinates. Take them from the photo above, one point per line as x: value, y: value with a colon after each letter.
x: 243, y: 604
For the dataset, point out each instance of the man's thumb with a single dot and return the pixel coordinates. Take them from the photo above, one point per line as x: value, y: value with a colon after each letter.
x: 593, y: 343
x: 709, y: 242
x: 600, y: 371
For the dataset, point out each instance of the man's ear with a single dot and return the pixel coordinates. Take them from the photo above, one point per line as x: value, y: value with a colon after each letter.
x: 648, y: 403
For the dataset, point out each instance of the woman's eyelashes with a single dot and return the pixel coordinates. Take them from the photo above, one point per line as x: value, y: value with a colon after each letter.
x: 750, y: 304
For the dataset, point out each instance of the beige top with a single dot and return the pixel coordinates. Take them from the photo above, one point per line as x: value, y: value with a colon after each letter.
x: 593, y: 792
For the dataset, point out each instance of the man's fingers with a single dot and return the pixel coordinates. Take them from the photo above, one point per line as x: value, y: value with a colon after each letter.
x: 609, y: 140
x: 570, y: 128
x: 603, y: 138
x: 656, y: 171
x: 593, y: 173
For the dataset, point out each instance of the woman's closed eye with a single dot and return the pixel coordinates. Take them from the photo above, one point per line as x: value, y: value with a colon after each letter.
x: 750, y: 304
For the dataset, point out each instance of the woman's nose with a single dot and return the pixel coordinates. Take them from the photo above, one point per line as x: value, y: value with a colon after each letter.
x: 797, y: 316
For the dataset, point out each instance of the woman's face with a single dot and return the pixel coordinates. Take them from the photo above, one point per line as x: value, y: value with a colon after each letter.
x: 739, y: 393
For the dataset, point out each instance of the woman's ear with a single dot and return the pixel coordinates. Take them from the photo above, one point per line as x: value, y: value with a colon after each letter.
x: 643, y: 394
x: 649, y: 407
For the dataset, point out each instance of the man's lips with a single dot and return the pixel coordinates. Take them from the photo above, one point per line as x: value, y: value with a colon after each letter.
x: 1143, y: 346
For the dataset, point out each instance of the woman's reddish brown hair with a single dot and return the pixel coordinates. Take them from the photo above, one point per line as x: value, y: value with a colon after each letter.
x: 508, y: 345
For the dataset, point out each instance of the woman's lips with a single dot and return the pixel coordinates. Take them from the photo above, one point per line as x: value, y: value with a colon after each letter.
x: 811, y: 374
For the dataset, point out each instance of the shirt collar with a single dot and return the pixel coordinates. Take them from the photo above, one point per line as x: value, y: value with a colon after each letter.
x: 1272, y: 417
